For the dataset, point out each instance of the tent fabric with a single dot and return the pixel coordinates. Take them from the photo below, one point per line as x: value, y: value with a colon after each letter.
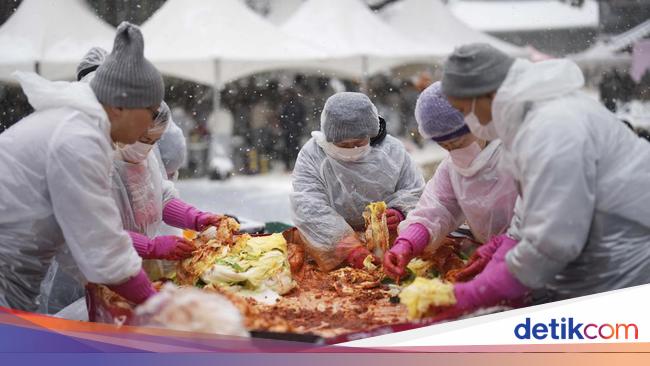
x: 348, y: 28
x: 432, y: 24
x: 54, y: 34
x: 214, y: 42
x: 539, y: 15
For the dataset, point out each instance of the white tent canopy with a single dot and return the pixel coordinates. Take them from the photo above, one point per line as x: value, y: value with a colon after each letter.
x: 431, y: 23
x: 508, y: 16
x: 347, y: 28
x: 54, y: 34
x: 213, y: 42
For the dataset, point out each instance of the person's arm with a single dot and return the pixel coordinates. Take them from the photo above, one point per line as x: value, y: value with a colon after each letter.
x: 558, y: 178
x: 438, y: 209
x: 436, y: 215
x: 78, y: 166
x: 313, y: 214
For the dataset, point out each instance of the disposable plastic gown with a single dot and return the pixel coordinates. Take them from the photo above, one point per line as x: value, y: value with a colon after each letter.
x: 55, y: 176
x: 329, y: 196
x: 140, y: 192
x: 585, y: 208
x: 482, y: 194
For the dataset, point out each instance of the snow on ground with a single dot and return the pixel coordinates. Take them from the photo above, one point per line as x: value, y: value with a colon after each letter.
x: 261, y: 198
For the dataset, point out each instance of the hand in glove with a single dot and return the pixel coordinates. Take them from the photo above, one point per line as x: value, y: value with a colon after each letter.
x: 492, y: 286
x: 409, y: 243
x: 136, y: 289
x: 168, y: 247
x: 353, y: 252
x: 481, y: 257
x: 181, y: 215
x: 393, y: 218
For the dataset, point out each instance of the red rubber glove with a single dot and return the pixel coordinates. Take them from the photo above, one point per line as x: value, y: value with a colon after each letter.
x: 357, y: 256
x: 480, y: 258
x: 393, y: 218
x: 494, y: 285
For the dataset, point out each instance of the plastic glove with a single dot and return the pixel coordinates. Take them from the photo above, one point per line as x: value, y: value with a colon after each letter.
x: 205, y: 219
x: 182, y: 215
x: 357, y: 256
x: 409, y: 243
x: 393, y: 218
x: 492, y: 286
x: 396, y: 259
x: 168, y: 247
x: 352, y: 251
x: 480, y: 258
x: 137, y: 289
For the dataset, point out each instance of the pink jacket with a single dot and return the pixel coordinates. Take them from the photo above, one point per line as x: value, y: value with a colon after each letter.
x: 483, y: 194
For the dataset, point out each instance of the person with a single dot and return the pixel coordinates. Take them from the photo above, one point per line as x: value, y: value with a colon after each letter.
x: 348, y: 164
x: 141, y: 191
x: 469, y: 185
x: 173, y: 150
x: 583, y: 221
x: 56, y: 165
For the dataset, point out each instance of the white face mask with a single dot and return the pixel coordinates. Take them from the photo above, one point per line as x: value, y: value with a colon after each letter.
x: 346, y: 154
x: 340, y: 153
x: 135, y: 153
x: 485, y: 132
x: 464, y: 157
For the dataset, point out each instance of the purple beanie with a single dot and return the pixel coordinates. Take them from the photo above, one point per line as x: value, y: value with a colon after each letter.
x: 436, y: 118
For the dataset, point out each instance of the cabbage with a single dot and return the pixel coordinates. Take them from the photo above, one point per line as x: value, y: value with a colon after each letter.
x: 257, y: 263
x: 423, y: 293
x: 420, y: 268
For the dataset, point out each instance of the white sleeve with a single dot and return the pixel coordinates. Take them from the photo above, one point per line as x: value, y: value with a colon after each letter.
x: 409, y: 186
x: 438, y: 209
x: 514, y: 230
x: 312, y: 212
x: 168, y: 190
x: 78, y: 179
x: 558, y: 178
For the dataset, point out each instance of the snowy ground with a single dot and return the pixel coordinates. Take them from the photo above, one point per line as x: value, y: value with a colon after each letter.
x: 261, y: 198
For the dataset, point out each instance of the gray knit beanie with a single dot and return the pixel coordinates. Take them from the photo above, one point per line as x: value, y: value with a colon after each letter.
x: 126, y: 79
x: 349, y: 115
x: 474, y: 69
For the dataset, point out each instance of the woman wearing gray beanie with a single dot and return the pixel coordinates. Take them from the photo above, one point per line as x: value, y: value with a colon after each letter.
x: 584, y: 213
x: 468, y: 186
x: 345, y: 166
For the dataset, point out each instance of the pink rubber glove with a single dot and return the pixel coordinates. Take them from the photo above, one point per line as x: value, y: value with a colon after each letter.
x: 480, y: 258
x: 137, y: 289
x: 409, y: 243
x: 492, y: 286
x: 393, y: 218
x: 181, y: 215
x: 168, y: 247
